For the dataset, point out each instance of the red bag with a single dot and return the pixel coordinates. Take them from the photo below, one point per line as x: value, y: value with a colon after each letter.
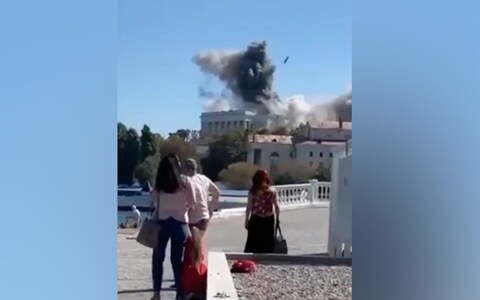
x: 194, y: 278
x: 243, y: 266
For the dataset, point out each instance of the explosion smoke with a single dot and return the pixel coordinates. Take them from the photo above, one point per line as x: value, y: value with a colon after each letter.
x: 248, y: 77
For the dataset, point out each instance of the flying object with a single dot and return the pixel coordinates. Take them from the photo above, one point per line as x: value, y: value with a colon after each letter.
x: 286, y: 59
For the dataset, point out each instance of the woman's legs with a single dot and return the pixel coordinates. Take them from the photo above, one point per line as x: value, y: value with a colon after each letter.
x: 179, y: 235
x: 157, y: 259
x: 261, y: 235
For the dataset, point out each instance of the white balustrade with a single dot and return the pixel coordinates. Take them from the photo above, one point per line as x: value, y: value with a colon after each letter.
x: 292, y: 194
x: 305, y: 193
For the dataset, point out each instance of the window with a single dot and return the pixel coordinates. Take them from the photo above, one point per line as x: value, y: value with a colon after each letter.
x: 291, y: 154
x: 321, y: 154
x: 331, y: 154
x: 311, y: 154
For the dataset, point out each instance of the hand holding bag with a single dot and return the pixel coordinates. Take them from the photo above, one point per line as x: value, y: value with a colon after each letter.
x: 280, y: 244
x: 149, y: 232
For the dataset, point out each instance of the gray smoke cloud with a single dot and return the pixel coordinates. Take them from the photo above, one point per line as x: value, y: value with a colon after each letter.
x: 248, y: 76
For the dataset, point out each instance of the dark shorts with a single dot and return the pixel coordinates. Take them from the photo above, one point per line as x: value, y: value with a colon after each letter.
x: 200, y: 225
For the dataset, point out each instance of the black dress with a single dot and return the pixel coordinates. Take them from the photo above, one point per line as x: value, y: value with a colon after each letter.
x: 261, y: 225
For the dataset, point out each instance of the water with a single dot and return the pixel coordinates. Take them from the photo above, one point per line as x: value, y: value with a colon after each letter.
x: 228, y: 199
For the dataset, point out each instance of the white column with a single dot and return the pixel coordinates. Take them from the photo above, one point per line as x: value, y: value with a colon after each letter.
x: 313, y: 190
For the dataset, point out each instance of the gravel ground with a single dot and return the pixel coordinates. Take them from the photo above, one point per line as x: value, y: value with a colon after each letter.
x: 295, y: 282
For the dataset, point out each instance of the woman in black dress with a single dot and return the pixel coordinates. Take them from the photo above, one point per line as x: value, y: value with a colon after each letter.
x: 261, y: 214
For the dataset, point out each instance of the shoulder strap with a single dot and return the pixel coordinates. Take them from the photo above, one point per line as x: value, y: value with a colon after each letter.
x: 157, y: 200
x: 278, y: 230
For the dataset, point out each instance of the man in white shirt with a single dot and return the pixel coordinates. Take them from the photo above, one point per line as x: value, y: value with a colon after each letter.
x: 136, y: 215
x: 200, y: 215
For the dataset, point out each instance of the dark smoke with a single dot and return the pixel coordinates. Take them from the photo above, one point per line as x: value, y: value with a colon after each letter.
x: 247, y: 74
x: 342, y: 107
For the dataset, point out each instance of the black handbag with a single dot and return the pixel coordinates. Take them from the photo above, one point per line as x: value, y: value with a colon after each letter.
x: 280, y: 244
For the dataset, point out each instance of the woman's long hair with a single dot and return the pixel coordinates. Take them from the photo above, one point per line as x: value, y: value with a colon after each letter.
x: 260, y: 181
x: 168, y: 178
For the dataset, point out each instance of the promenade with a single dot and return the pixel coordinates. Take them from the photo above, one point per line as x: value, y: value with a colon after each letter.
x: 306, y: 232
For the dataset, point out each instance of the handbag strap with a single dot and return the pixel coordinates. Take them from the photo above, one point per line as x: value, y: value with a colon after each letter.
x: 278, y: 229
x: 157, y: 199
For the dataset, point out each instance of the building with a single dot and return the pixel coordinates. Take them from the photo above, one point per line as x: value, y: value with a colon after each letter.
x: 223, y: 122
x: 272, y: 151
x: 311, y: 147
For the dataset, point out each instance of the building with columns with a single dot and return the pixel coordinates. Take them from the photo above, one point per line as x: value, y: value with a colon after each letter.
x: 223, y: 122
x: 313, y: 146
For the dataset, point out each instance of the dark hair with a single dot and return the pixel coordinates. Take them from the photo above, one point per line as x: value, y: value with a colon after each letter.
x: 168, y: 178
x: 259, y: 180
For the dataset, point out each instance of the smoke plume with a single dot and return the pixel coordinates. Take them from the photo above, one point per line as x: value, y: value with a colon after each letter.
x: 248, y: 78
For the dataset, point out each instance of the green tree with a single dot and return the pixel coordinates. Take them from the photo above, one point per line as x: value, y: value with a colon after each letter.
x: 175, y: 144
x: 293, y: 174
x: 223, y: 151
x: 238, y: 176
x: 323, y: 173
x: 146, y: 170
x: 128, y: 148
x: 148, y: 144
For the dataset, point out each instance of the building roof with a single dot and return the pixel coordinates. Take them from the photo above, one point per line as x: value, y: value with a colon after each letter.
x: 331, y: 144
x: 332, y: 125
x: 270, y: 138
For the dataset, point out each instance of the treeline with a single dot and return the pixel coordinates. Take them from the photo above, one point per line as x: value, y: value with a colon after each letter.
x: 139, y: 155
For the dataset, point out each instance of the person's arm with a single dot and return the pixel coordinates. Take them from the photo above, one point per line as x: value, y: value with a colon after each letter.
x: 215, y: 191
x: 248, y: 210
x: 153, y: 201
x: 276, y: 206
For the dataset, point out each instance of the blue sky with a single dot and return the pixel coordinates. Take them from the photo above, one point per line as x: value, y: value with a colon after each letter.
x: 158, y: 83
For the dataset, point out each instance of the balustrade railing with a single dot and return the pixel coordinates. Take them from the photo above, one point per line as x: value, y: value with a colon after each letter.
x: 306, y: 193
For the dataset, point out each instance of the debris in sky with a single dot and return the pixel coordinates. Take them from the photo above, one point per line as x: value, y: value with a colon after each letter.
x: 286, y: 59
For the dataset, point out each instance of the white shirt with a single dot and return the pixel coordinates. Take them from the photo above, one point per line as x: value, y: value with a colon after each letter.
x: 201, y: 186
x: 137, y: 215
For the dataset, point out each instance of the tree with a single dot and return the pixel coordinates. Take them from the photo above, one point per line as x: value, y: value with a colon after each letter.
x: 175, y: 144
x: 293, y: 174
x: 323, y: 173
x: 223, y: 151
x: 148, y: 145
x: 183, y: 134
x: 239, y: 175
x: 147, y: 170
x: 128, y: 148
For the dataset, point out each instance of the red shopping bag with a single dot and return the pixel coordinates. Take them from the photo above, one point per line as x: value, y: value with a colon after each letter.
x: 194, y: 277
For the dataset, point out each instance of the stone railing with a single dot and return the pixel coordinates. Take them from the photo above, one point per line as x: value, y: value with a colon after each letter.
x: 306, y: 193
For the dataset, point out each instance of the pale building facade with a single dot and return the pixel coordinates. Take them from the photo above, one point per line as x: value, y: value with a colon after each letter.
x: 223, y: 122
x: 271, y: 151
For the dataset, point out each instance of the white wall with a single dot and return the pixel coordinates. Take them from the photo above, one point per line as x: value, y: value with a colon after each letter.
x: 312, y: 154
x: 283, y: 151
x: 340, y: 230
